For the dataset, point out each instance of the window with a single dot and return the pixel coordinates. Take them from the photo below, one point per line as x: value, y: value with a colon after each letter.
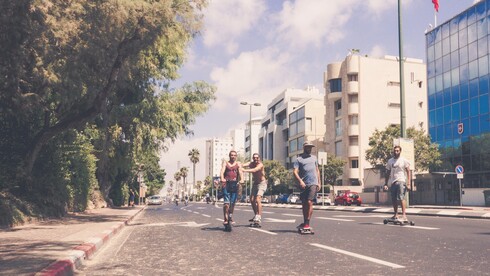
x: 353, y: 99
x: 354, y: 140
x: 354, y: 163
x: 297, y: 122
x: 338, y: 127
x: 338, y: 108
x: 353, y: 120
x: 335, y: 85
x: 309, y: 124
x: 338, y: 148
x: 352, y: 77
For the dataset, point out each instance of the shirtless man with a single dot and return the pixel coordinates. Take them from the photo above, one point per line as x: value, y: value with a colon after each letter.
x: 259, y: 185
x: 231, y: 175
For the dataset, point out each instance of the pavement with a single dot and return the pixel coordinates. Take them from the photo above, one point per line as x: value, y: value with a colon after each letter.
x: 59, y: 246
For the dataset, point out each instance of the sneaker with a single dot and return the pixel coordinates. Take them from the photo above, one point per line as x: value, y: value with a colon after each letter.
x: 300, y: 226
x: 252, y: 219
x: 256, y: 220
x: 306, y: 227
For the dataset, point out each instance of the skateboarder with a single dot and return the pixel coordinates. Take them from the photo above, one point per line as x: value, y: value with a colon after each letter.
x: 398, y: 175
x: 259, y: 186
x: 308, y: 176
x: 231, y: 174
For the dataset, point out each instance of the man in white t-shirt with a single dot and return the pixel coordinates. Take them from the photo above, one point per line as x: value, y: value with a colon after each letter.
x: 398, y: 175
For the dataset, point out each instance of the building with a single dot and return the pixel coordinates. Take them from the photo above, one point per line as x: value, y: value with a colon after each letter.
x: 458, y: 104
x: 217, y: 149
x: 252, y: 135
x: 362, y: 95
x: 274, y: 136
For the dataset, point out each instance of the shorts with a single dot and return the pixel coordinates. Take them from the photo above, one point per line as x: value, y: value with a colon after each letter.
x: 309, y: 193
x: 230, y: 192
x: 259, y: 189
x: 398, y: 190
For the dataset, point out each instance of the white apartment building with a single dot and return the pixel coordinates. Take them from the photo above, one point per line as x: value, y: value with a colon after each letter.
x: 274, y: 132
x: 363, y: 94
x: 217, y: 149
x: 252, y: 135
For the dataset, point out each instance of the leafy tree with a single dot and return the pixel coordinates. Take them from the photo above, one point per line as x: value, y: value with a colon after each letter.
x: 194, y: 157
x: 332, y: 171
x: 276, y: 174
x: 427, y: 155
x: 184, y: 171
x: 177, y: 177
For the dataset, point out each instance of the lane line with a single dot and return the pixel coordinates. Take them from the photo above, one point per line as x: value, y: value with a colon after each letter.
x: 196, y: 213
x: 360, y: 216
x: 292, y: 215
x: 263, y: 231
x: 208, y: 216
x: 338, y: 219
x: 359, y: 256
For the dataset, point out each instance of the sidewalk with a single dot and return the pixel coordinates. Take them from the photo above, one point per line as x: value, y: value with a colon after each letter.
x: 55, y: 247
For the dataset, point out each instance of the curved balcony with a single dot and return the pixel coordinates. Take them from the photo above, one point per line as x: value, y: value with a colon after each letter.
x: 353, y: 87
x: 353, y: 173
x: 353, y: 108
x: 333, y: 71
x: 334, y: 95
x: 353, y: 64
x: 353, y: 151
x: 353, y: 130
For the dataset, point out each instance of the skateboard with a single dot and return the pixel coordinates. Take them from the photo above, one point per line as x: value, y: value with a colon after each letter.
x: 255, y: 224
x: 303, y: 231
x: 398, y: 222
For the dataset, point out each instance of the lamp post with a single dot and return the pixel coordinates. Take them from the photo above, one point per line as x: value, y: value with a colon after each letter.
x: 250, y: 139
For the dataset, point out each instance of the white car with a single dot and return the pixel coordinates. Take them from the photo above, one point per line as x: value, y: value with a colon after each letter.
x: 294, y: 199
x: 264, y: 200
x: 155, y: 200
x: 326, y: 199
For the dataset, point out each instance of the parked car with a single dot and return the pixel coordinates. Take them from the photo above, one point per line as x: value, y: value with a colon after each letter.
x: 294, y: 199
x: 245, y: 199
x: 348, y: 198
x: 282, y: 198
x: 264, y: 200
x: 325, y: 197
x: 155, y: 200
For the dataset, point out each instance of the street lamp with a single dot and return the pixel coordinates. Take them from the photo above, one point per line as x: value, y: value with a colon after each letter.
x: 250, y: 139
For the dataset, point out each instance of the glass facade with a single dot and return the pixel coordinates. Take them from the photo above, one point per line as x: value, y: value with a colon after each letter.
x: 458, y: 92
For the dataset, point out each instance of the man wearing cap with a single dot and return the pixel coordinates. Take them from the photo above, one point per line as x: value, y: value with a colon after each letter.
x: 308, y: 176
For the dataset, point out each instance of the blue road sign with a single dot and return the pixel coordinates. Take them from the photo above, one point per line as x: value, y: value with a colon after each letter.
x: 459, y: 169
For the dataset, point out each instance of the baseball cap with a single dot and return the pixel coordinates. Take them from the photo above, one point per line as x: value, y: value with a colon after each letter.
x: 308, y: 144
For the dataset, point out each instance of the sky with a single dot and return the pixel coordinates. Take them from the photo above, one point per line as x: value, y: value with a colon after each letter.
x: 252, y: 50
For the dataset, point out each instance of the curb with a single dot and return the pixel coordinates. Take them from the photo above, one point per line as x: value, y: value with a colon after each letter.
x: 67, y: 266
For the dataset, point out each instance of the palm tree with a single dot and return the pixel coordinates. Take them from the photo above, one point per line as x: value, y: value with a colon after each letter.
x: 183, y: 173
x: 194, y: 157
x: 177, y: 177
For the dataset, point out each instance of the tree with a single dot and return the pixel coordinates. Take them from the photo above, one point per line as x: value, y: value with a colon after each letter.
x: 177, y: 177
x: 65, y: 63
x: 427, y: 155
x: 332, y: 171
x: 194, y: 157
x: 183, y: 173
x: 276, y: 173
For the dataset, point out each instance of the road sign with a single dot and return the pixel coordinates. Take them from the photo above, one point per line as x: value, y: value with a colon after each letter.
x: 460, y: 176
x: 459, y: 169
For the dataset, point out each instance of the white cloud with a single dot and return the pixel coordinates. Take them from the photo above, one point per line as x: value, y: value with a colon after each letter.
x: 306, y: 22
x: 377, y: 51
x: 252, y: 76
x: 227, y: 20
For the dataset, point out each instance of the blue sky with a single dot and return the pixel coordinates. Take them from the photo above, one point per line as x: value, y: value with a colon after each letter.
x: 252, y: 50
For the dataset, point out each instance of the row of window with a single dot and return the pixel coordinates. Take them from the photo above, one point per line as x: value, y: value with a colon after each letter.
x: 447, y: 134
x: 459, y: 111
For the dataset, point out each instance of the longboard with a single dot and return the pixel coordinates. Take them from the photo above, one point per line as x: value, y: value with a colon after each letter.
x: 398, y: 222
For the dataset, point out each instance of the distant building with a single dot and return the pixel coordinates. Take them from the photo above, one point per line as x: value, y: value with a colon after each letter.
x: 275, y: 132
x: 217, y: 149
x: 253, y: 136
x: 362, y: 95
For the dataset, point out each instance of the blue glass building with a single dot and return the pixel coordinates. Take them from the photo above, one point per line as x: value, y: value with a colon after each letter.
x: 458, y: 73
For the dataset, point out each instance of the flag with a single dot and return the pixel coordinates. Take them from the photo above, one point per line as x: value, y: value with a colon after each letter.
x: 436, y: 5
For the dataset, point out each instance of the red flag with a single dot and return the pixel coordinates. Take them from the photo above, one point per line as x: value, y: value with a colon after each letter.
x: 436, y: 5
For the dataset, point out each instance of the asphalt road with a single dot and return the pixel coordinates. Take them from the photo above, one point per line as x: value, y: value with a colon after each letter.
x: 189, y: 240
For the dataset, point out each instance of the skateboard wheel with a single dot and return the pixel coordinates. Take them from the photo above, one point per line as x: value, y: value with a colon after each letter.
x: 385, y: 221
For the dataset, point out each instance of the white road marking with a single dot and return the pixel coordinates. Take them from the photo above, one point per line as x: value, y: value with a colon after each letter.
x: 184, y: 224
x: 338, y: 219
x: 362, y: 216
x: 263, y: 231
x: 280, y: 220
x: 267, y: 212
x: 208, y: 216
x: 196, y: 213
x: 293, y: 215
x: 409, y: 226
x: 374, y: 260
x: 219, y: 219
